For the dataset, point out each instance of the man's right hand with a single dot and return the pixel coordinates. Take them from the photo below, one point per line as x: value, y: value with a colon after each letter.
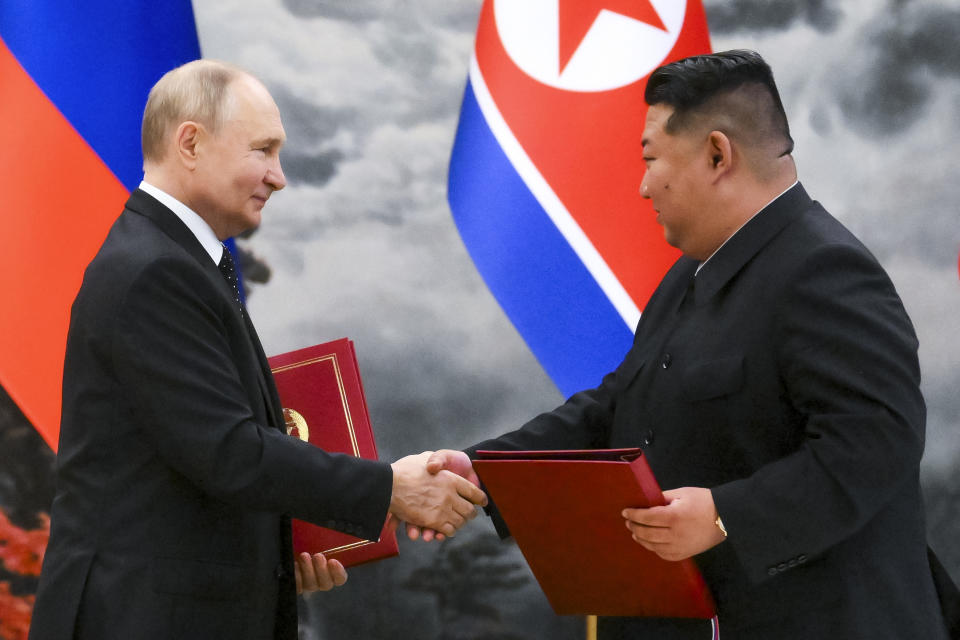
x: 442, y: 501
x: 455, y: 461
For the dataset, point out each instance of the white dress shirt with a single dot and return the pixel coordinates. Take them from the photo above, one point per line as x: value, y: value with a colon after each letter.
x: 197, y: 225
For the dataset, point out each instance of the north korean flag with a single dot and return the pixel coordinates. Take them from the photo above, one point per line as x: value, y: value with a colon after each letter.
x: 546, y: 168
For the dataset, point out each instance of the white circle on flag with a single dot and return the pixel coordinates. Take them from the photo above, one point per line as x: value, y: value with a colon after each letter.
x: 616, y: 51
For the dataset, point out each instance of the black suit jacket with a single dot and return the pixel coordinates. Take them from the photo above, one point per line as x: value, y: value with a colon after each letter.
x: 175, y: 479
x: 785, y: 378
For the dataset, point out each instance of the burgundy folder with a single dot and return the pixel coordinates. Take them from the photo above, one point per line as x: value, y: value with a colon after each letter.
x: 563, y: 509
x: 323, y: 404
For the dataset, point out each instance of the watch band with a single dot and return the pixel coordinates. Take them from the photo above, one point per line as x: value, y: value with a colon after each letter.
x: 720, y: 526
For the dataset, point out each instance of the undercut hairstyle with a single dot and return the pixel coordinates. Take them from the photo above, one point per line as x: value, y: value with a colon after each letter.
x: 731, y: 91
x: 197, y: 91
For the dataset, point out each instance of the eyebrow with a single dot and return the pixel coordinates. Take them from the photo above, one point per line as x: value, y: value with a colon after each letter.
x: 268, y: 142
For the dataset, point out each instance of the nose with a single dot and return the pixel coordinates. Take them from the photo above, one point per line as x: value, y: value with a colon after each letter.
x: 275, y: 177
x: 644, y: 188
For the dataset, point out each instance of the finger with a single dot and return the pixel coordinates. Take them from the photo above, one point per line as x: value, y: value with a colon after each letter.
x: 455, y: 519
x: 436, y: 462
x: 465, y: 509
x: 654, y: 535
x: 308, y: 577
x: 448, y: 529
x: 430, y: 534
x: 297, y: 576
x: 468, y: 490
x: 652, y: 517
x: 666, y: 551
x: 338, y: 572
x: 324, y: 580
x: 413, y: 532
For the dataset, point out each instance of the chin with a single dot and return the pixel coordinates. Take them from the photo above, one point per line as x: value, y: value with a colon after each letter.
x: 252, y: 221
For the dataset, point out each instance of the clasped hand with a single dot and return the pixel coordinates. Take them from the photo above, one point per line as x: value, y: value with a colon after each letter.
x: 316, y: 573
x: 682, y: 528
x: 440, y: 500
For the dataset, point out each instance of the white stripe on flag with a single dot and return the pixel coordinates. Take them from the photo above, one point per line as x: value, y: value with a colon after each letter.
x: 545, y: 195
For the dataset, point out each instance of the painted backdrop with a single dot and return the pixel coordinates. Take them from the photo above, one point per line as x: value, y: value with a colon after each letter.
x: 362, y: 244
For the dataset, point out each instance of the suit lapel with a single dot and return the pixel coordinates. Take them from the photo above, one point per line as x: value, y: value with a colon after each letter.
x: 659, y: 317
x: 143, y: 203
x: 748, y: 241
x: 265, y: 377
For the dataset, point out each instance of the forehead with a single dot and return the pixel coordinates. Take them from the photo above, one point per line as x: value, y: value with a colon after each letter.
x: 253, y: 111
x: 656, y: 123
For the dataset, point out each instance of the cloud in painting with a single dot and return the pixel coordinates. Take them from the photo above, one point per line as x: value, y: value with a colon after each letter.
x: 741, y: 16
x: 906, y: 54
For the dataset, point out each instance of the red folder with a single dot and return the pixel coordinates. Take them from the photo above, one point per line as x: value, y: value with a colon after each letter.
x: 323, y: 403
x: 563, y: 509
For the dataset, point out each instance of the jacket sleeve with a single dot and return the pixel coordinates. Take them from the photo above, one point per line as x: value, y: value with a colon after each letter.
x: 582, y: 422
x: 181, y: 379
x: 847, y: 355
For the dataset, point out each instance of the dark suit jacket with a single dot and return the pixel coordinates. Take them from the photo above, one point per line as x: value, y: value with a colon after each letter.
x: 785, y: 378
x: 175, y: 482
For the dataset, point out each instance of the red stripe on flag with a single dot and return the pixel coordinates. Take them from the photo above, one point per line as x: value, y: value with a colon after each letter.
x: 59, y: 202
x: 595, y: 169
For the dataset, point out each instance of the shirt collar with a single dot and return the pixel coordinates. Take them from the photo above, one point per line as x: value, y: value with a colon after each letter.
x: 700, y: 266
x: 197, y: 225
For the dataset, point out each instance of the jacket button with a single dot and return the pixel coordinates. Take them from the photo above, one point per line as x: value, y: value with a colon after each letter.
x: 280, y: 572
x: 772, y: 571
x: 648, y: 438
x: 665, y: 361
x: 801, y: 558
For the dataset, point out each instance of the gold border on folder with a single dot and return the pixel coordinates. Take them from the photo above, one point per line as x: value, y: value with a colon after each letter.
x: 343, y: 392
x: 346, y: 414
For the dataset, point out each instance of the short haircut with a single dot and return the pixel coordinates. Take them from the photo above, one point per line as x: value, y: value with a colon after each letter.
x: 196, y: 91
x: 730, y: 91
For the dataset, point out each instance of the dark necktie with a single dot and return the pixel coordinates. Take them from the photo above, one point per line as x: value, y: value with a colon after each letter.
x: 229, y: 273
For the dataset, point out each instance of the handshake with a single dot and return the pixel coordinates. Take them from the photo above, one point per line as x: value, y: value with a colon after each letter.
x: 435, y: 493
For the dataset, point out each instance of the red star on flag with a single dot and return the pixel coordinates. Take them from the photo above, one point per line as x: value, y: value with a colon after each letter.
x: 577, y: 16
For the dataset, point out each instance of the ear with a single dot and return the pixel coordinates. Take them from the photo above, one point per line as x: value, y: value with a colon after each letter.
x: 188, y: 139
x: 721, y: 152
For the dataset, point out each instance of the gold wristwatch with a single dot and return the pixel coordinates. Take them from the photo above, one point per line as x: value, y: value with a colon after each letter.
x: 720, y: 526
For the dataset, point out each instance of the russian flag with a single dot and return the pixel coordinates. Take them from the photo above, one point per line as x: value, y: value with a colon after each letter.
x: 546, y: 167
x: 74, y: 78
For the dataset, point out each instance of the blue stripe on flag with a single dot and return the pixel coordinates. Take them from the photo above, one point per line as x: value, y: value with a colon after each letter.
x: 549, y: 295
x: 96, y: 61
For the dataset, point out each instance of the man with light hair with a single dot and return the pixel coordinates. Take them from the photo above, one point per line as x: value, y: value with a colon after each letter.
x: 176, y: 481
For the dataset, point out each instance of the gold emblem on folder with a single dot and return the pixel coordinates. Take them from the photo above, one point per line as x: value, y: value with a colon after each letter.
x: 296, y: 425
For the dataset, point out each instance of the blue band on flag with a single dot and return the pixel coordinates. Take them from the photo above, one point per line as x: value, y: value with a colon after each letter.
x: 568, y: 322
x: 96, y: 60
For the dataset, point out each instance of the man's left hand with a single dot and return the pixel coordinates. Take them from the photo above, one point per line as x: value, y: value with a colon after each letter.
x: 316, y: 573
x: 683, y: 528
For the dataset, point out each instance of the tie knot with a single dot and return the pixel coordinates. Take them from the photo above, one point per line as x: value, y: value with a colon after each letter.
x: 229, y: 273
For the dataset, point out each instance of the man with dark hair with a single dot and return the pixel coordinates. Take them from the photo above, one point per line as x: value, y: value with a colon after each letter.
x: 773, y: 383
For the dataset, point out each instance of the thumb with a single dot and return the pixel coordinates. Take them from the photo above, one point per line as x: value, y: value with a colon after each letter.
x: 436, y: 462
x: 392, y: 523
